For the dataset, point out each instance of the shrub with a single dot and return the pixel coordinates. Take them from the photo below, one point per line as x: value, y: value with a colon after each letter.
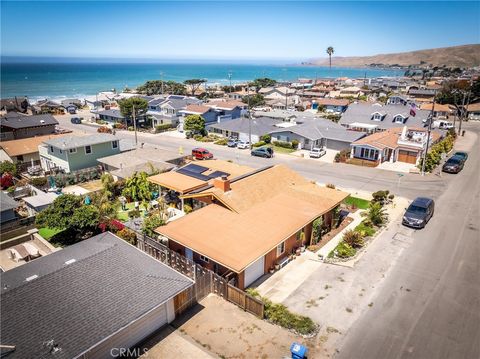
x: 39, y: 182
x: 222, y: 142
x: 365, y: 228
x: 7, y: 166
x: 294, y: 144
x: 151, y: 223
x: 128, y: 235
x: 187, y: 209
x: 120, y: 126
x: 266, y: 138
x: 197, y: 137
x: 6, y: 180
x: 353, y: 238
x: 280, y: 315
x: 104, y: 129
x: 380, y: 196
x: 130, y: 128
x: 163, y: 128
x: 391, y: 197
x: 376, y: 214
x: 282, y: 144
x: 330, y: 185
x: 134, y: 213
x: 343, y: 250
x: 342, y: 156
x: 259, y: 144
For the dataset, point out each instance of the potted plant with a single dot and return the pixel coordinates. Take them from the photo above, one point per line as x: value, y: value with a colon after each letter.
x: 277, y: 266
x: 271, y: 270
x: 298, y: 251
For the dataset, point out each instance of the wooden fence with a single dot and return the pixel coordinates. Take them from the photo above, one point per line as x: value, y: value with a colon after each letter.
x: 206, y: 281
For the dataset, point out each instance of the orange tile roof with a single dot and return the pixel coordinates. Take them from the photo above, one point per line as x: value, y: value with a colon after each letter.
x: 438, y: 107
x: 25, y: 146
x: 197, y: 108
x: 473, y: 107
x: 332, y: 102
x: 381, y: 139
x: 230, y: 104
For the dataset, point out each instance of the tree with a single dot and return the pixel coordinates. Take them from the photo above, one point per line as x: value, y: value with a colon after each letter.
x: 137, y: 187
x: 255, y: 100
x: 8, y: 167
x: 85, y: 218
x: 263, y: 82
x: 194, y: 123
x: 126, y: 106
x: 157, y: 87
x: 376, y: 213
x: 152, y: 222
x: 194, y: 84
x: 108, y: 184
x: 330, y: 52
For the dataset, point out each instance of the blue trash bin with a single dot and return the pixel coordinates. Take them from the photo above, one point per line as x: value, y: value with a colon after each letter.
x: 298, y: 351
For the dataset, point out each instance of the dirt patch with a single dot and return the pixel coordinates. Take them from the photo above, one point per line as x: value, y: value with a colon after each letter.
x: 229, y: 332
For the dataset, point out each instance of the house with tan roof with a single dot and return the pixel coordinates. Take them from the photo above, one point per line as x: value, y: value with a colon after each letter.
x: 246, y: 224
x: 473, y: 111
x: 399, y: 144
x: 440, y: 112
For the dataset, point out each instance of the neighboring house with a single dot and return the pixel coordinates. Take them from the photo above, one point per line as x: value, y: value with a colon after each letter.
x: 397, y: 100
x: 111, y: 115
x: 19, y: 126
x: 227, y: 110
x: 402, y: 144
x: 167, y: 110
x: 441, y: 112
x: 282, y: 104
x: 208, y: 113
x: 24, y: 150
x: 244, y: 129
x: 419, y: 94
x: 7, y: 208
x: 316, y: 132
x: 473, y: 111
x: 249, y: 223
x: 73, y: 153
x: 17, y: 104
x: 39, y: 201
x: 88, y: 300
x: 72, y: 101
x: 47, y: 106
x: 125, y: 164
x: 347, y: 92
x: 376, y: 117
x: 331, y: 105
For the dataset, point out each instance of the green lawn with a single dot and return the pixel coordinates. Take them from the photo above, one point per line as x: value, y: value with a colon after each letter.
x: 357, y: 202
x: 48, y: 233
x: 123, y: 215
x: 278, y: 149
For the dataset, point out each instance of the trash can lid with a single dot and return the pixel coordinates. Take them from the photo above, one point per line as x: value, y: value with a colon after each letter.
x: 298, y: 349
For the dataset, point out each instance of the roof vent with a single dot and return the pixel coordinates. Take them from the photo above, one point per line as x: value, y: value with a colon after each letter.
x: 32, y: 277
x: 70, y: 261
x: 42, y: 121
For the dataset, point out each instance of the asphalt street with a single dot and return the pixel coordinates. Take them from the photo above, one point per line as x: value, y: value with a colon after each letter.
x: 429, y: 305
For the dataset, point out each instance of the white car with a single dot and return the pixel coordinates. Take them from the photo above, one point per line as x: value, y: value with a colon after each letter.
x: 243, y: 145
x: 317, y: 152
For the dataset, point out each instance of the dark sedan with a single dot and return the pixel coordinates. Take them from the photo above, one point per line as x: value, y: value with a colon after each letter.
x: 453, y: 165
x: 419, y: 212
x: 266, y: 152
x: 463, y: 155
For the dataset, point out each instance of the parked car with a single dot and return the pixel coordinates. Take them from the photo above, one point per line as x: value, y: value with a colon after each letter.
x: 419, y: 212
x: 76, y: 120
x: 232, y: 142
x: 201, y: 154
x: 266, y: 152
x: 317, y: 152
x: 461, y: 154
x: 443, y: 125
x: 243, y: 145
x: 453, y: 165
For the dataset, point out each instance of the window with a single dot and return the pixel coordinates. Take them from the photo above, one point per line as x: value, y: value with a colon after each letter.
x: 20, y: 158
x: 281, y: 249
x: 88, y: 150
x: 114, y: 144
x: 399, y: 119
x: 204, y: 259
x: 51, y: 149
x: 377, y: 117
x: 72, y: 150
x: 60, y: 151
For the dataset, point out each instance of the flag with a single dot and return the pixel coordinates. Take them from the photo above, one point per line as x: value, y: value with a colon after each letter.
x: 413, y: 109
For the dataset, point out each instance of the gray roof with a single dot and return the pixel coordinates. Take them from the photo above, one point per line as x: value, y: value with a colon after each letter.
x: 129, y: 171
x: 28, y: 121
x: 67, y: 142
x: 7, y: 202
x: 139, y: 156
x: 425, y: 92
x: 40, y: 199
x: 362, y: 113
x: 108, y: 286
x: 259, y: 126
x: 318, y: 128
x: 284, y: 114
x: 112, y: 113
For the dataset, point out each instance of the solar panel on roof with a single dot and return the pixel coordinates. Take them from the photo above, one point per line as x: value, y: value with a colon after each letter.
x: 217, y: 174
x: 193, y: 174
x: 195, y: 168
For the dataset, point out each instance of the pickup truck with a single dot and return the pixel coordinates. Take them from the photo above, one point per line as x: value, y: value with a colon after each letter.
x: 317, y: 152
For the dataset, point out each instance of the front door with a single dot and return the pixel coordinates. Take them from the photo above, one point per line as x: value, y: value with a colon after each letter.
x: 189, y: 253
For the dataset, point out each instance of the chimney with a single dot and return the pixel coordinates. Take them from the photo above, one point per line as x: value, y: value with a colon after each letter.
x: 222, y: 183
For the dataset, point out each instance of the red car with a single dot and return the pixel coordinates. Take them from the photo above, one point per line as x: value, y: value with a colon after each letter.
x: 201, y: 154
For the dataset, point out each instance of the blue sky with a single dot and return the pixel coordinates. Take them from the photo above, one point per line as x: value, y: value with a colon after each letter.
x: 232, y: 30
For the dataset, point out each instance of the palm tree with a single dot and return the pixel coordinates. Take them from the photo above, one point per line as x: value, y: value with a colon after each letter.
x: 376, y: 213
x: 330, y: 52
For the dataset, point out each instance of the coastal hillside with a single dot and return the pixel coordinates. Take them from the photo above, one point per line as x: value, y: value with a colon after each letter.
x: 455, y: 56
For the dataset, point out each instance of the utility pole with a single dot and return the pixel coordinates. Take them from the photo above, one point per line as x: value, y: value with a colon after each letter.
x: 134, y: 125
x: 248, y: 117
x: 161, y: 77
x: 430, y: 120
x: 465, y: 108
x: 230, y: 78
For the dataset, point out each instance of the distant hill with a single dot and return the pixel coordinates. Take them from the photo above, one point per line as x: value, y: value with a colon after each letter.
x: 455, y: 56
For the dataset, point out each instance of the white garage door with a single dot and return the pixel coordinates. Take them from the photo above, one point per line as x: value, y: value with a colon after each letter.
x: 254, y: 271
x: 131, y: 335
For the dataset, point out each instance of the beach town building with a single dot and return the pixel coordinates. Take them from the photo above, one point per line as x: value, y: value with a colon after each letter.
x: 473, y: 111
x: 244, y: 129
x: 331, y: 105
x: 15, y: 104
x: 440, y: 112
x: 7, y: 208
x: 370, y: 118
x: 167, y: 109
x: 248, y: 223
x: 88, y: 300
x: 397, y: 144
x: 73, y: 153
x: 14, y: 126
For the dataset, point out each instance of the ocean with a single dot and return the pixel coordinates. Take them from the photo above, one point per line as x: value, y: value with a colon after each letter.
x: 79, y: 80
